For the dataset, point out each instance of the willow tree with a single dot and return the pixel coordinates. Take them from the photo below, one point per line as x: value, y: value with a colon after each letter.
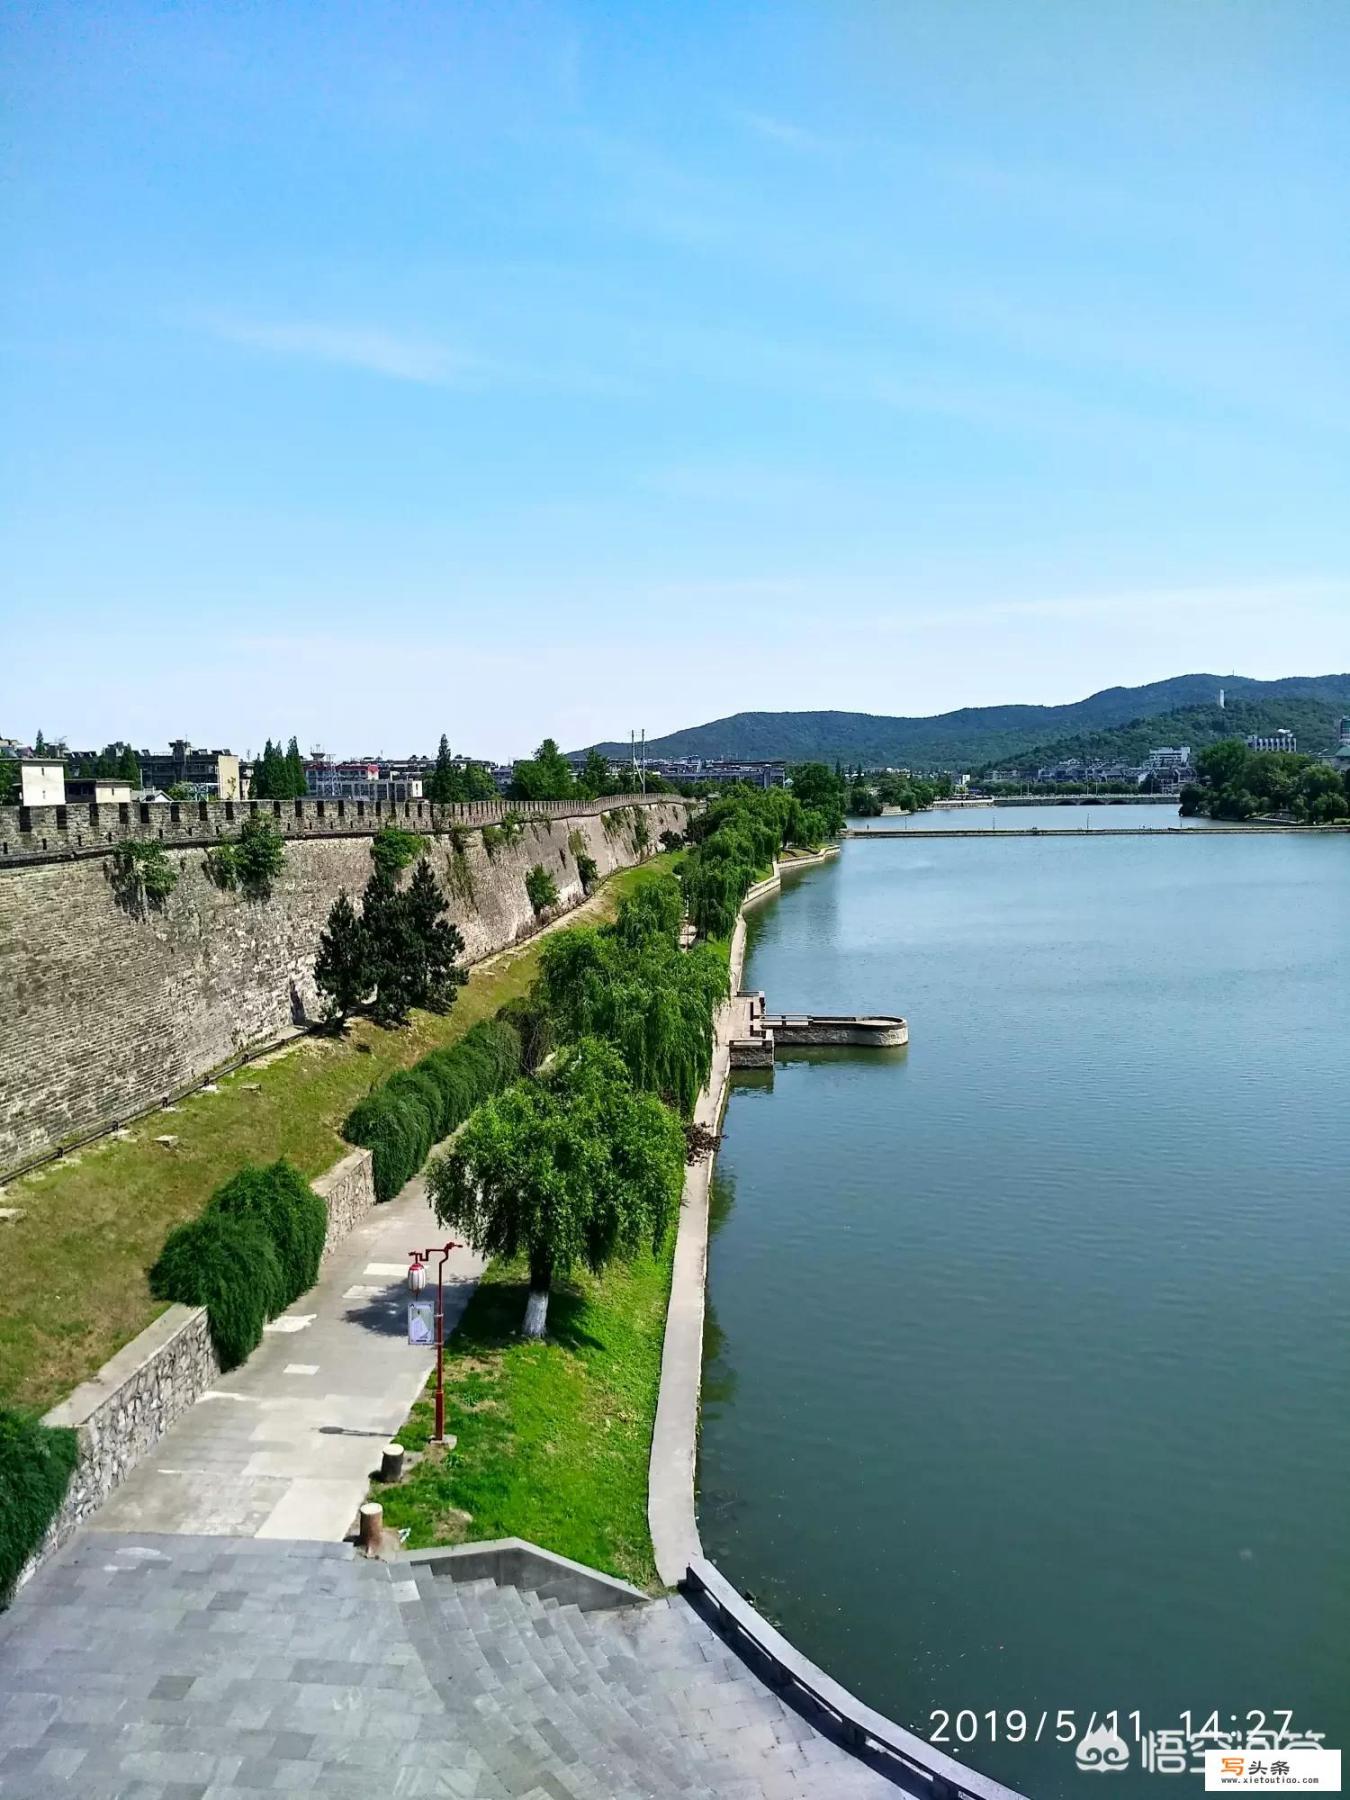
x: 631, y: 985
x: 572, y: 1168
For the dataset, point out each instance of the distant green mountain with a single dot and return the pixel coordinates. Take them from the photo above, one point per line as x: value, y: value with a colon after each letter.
x: 1313, y: 722
x: 976, y: 735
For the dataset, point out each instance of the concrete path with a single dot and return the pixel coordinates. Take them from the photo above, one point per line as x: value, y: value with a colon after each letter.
x: 671, y: 1517
x: 182, y: 1668
x: 283, y: 1447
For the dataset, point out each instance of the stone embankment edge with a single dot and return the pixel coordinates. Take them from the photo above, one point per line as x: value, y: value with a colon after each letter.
x: 671, y: 1515
x: 829, y: 1706
x: 122, y: 1412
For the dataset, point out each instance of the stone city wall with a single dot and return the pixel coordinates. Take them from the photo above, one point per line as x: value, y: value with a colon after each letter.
x: 108, y: 1008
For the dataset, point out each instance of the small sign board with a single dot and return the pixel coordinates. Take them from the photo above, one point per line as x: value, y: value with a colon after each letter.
x: 421, y: 1321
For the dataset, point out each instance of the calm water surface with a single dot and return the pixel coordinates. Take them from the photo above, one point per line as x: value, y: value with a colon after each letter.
x: 1027, y: 1378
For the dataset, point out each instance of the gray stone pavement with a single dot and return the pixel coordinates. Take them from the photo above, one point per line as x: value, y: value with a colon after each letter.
x: 175, y: 1667
x: 283, y: 1447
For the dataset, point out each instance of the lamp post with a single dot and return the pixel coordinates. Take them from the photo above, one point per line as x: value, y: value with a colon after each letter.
x: 417, y: 1281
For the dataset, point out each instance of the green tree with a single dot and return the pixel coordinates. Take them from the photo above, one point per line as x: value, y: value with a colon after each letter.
x: 478, y: 783
x: 629, y: 984
x: 814, y: 786
x: 572, y: 1168
x: 296, y: 784
x: 443, y: 784
x: 546, y: 776
x: 594, y: 778
x: 343, y: 970
x: 413, y: 950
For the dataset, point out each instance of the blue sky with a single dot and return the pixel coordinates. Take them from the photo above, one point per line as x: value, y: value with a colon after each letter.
x: 378, y: 370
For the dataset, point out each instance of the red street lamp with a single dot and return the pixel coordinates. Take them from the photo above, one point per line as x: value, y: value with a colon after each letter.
x: 417, y: 1280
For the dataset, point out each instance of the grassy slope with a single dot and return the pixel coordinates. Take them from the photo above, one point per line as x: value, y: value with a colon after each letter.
x: 74, y: 1287
x: 554, y: 1439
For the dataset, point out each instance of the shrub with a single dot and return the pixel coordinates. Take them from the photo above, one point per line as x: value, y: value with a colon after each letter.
x: 226, y: 1262
x: 36, y: 1463
x: 253, y: 863
x: 541, y: 887
x: 512, y: 826
x: 492, y: 839
x: 586, y: 868
x: 402, y: 1119
x: 260, y: 856
x: 392, y: 849
x: 671, y: 840
x: 143, y: 874
x: 280, y: 1200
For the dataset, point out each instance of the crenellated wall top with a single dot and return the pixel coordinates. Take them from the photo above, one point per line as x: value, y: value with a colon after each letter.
x: 43, y: 833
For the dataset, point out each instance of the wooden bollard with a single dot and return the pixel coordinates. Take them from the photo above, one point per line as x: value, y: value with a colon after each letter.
x: 391, y: 1463
x: 371, y: 1532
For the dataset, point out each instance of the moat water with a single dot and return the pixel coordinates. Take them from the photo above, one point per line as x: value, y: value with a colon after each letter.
x: 1027, y: 1383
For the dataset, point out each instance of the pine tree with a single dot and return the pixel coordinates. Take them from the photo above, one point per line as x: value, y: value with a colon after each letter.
x: 39, y: 748
x: 259, y: 788
x: 444, y: 785
x: 440, y: 942
x: 342, y: 969
x: 296, y: 785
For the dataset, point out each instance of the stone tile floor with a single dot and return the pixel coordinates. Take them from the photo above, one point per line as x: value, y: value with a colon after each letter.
x: 149, y: 1667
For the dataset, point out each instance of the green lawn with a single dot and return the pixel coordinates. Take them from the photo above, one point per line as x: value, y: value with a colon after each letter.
x: 553, y: 1437
x: 74, y: 1266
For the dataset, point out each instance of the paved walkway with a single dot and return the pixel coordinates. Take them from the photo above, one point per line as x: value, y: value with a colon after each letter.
x: 283, y: 1447
x: 189, y: 1668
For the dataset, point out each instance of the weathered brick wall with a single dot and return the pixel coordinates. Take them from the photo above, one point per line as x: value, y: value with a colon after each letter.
x: 103, y: 1011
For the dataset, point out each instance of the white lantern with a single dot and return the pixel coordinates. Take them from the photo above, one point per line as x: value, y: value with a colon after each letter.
x: 417, y: 1277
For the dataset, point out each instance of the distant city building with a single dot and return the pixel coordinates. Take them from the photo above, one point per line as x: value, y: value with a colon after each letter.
x: 363, y: 780
x: 1282, y: 739
x: 210, y: 774
x: 1165, y: 758
x: 41, y: 782
x: 723, y: 770
x: 103, y: 790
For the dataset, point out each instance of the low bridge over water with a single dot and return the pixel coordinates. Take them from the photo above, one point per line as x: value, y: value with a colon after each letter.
x: 1090, y: 831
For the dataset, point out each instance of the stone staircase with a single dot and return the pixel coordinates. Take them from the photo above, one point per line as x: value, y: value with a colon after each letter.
x: 169, y: 1667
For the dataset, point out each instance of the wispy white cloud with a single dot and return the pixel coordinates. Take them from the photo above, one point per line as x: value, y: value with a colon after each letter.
x: 379, y: 352
x: 780, y: 131
x: 406, y: 356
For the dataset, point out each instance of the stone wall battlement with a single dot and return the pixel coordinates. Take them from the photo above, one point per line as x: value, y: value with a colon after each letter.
x: 33, y: 833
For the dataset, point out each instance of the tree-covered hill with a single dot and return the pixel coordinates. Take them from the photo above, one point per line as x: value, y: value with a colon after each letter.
x: 976, y: 736
x: 1313, y: 722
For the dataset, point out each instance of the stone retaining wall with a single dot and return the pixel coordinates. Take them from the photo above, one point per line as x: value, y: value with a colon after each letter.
x: 348, y: 1191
